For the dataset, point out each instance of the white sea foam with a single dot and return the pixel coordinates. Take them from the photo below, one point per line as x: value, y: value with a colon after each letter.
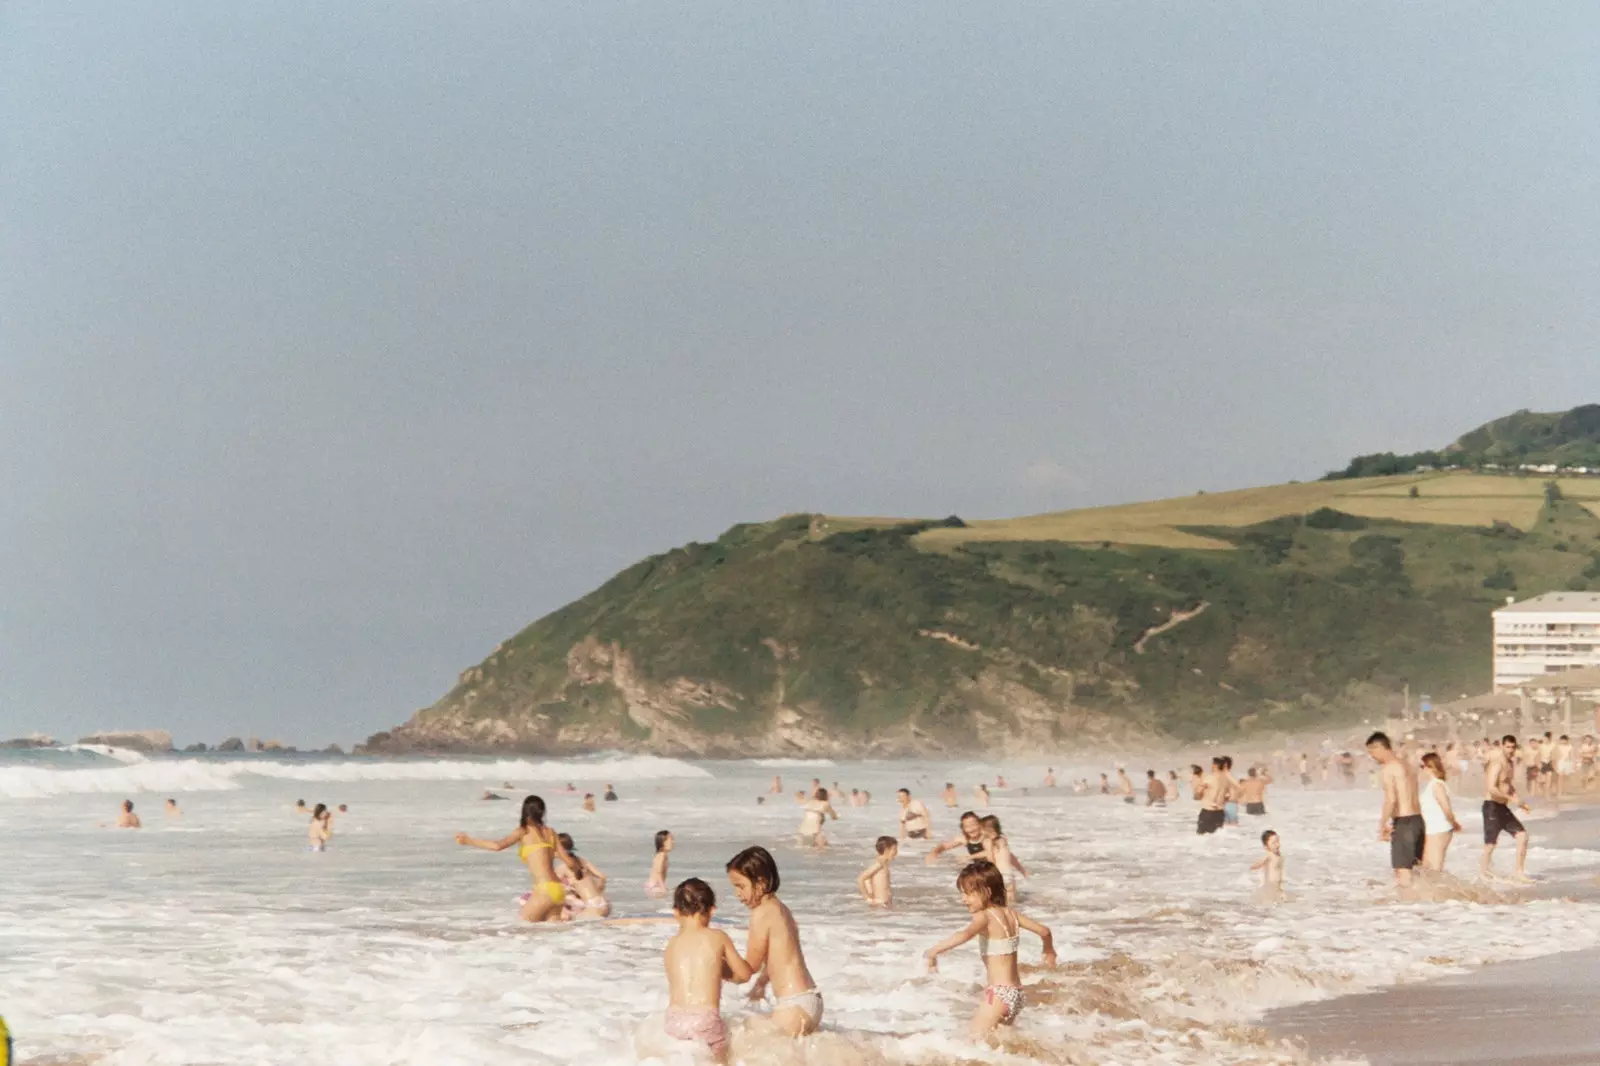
x: 202, y: 775
x: 124, y: 755
x: 230, y: 943
x: 778, y: 764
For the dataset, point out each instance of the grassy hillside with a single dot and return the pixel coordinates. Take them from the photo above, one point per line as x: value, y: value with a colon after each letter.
x: 1561, y: 439
x: 1276, y: 607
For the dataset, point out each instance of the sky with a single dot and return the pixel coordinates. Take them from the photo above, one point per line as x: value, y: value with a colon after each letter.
x: 340, y: 341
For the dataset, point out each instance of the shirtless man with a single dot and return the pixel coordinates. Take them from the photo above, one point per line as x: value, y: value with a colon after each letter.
x: 1124, y: 785
x: 1253, y: 791
x: 1050, y: 777
x: 1500, y: 792
x: 1155, y: 792
x: 951, y: 799
x: 1401, y: 821
x: 914, y: 820
x: 1212, y: 792
x: 127, y: 819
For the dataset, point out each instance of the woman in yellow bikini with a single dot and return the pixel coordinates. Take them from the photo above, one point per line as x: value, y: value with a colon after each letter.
x: 536, y: 843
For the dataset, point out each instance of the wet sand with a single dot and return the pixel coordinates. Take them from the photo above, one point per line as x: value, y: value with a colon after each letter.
x: 1537, y: 1012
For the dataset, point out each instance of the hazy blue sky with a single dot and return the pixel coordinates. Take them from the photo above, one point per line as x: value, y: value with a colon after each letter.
x: 339, y: 341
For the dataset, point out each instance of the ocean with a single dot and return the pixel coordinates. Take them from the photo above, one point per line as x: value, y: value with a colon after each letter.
x: 218, y: 938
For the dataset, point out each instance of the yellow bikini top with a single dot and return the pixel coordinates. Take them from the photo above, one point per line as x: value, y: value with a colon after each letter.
x: 523, y: 849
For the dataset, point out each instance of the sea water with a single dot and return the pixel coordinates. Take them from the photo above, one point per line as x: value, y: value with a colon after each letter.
x: 218, y: 938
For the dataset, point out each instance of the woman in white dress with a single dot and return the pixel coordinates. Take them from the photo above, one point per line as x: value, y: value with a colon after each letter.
x: 1438, y: 817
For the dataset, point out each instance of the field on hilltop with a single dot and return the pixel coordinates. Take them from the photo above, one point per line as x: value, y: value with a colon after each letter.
x: 1451, y: 499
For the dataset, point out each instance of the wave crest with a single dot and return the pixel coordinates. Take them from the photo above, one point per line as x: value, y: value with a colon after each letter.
x: 200, y: 775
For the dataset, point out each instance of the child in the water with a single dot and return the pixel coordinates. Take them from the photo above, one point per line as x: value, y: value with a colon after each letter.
x: 774, y: 945
x: 698, y: 960
x: 657, y: 885
x: 874, y: 880
x: 997, y: 928
x: 1271, y: 867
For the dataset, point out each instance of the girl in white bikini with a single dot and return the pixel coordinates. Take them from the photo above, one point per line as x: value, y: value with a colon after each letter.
x: 1438, y: 818
x: 997, y: 928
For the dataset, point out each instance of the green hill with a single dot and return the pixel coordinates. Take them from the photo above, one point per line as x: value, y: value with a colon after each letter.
x: 1279, y: 607
x: 1562, y: 439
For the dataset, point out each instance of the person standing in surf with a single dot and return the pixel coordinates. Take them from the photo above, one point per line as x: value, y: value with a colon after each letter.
x: 537, y: 845
x: 1500, y: 792
x: 914, y: 818
x: 1438, y: 817
x: 320, y: 831
x: 1401, y: 821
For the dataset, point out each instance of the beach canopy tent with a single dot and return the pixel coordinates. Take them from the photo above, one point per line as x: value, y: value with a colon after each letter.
x: 1587, y: 678
x: 1488, y: 701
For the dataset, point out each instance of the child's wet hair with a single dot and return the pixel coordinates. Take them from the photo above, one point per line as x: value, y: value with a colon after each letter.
x: 1268, y: 835
x: 885, y: 843
x: 989, y: 821
x: 984, y: 879
x: 693, y: 896
x: 566, y: 842
x: 758, y: 867
x: 661, y: 838
x: 532, y: 812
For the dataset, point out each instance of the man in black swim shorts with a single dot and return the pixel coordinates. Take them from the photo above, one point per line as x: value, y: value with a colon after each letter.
x: 1401, y: 821
x: 1213, y: 795
x: 1500, y: 792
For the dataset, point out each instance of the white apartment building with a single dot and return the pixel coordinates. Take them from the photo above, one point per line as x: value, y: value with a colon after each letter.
x: 1545, y: 635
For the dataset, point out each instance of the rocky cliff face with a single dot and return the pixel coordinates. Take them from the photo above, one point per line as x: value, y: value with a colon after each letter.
x: 611, y: 706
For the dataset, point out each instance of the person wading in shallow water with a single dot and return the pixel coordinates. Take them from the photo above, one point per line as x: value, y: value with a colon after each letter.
x: 1401, y: 822
x: 1212, y: 792
x: 1500, y: 792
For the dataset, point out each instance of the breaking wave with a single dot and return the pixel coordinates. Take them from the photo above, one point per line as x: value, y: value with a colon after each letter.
x: 201, y: 775
x: 779, y: 764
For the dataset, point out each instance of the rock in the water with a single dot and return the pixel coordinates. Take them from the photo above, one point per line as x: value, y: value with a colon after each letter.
x: 148, y: 741
x: 195, y: 749
x: 333, y: 749
x: 231, y: 744
x: 35, y: 740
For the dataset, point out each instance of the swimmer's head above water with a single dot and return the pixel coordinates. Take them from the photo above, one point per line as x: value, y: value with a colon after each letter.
x: 693, y: 897
x: 981, y: 886
x: 664, y: 840
x: 754, y: 875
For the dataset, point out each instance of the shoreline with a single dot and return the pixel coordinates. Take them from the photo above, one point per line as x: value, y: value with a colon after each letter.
x: 1524, y: 1012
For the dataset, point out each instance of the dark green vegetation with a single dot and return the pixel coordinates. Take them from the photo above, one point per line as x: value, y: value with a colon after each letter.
x: 1564, y: 438
x: 860, y: 636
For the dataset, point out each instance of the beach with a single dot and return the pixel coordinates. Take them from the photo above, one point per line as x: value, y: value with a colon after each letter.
x: 218, y: 937
x: 1537, y: 1012
x: 1532, y: 1012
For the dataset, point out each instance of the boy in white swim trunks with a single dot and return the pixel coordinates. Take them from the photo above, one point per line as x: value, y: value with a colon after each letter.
x: 698, y: 959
